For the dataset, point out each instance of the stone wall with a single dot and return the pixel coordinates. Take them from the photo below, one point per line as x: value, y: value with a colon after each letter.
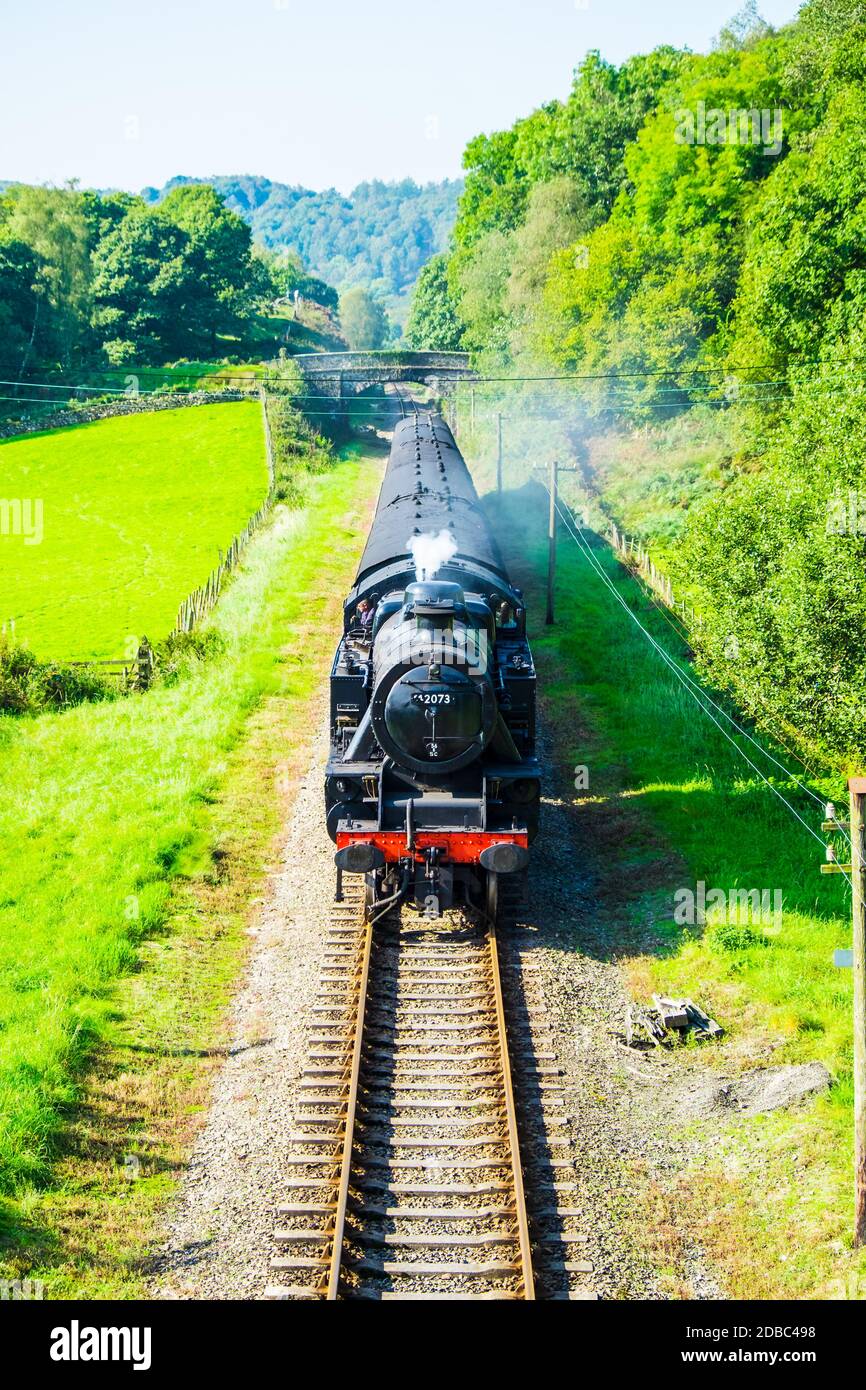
x: 129, y: 405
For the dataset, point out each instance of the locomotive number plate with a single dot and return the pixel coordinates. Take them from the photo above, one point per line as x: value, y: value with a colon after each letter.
x: 431, y: 697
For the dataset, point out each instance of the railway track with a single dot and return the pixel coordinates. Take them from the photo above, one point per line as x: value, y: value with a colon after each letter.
x: 430, y: 1156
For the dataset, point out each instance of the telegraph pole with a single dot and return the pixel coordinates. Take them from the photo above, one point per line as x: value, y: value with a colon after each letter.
x: 857, y: 959
x: 499, y: 452
x: 552, y: 487
x: 857, y: 788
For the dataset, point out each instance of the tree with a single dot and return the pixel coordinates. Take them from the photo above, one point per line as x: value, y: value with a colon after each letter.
x: 144, y: 286
x: 19, y: 304
x: 51, y: 222
x: 481, y: 279
x: 434, y: 323
x: 363, y: 320
x: 219, y: 252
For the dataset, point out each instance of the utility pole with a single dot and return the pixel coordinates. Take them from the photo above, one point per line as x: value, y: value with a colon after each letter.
x: 857, y: 789
x: 553, y: 487
x: 472, y: 411
x: 499, y: 452
x: 857, y: 868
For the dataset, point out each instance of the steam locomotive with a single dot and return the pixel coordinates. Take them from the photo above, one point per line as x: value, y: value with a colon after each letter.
x: 432, y: 786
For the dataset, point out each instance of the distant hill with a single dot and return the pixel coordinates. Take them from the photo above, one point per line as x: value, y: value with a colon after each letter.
x: 379, y: 236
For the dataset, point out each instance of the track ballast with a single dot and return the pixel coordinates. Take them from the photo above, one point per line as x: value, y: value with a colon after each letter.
x: 430, y: 1159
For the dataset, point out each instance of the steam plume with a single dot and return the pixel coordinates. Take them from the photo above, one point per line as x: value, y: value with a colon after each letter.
x: 430, y: 553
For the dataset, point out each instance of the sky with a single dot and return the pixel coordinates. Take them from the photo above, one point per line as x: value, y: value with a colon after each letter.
x: 323, y: 93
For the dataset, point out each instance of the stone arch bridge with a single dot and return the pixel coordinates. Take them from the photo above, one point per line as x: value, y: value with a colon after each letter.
x: 340, y: 375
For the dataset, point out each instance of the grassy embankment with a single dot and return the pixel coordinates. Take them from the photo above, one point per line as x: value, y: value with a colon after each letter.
x: 671, y: 803
x: 136, y: 836
x: 135, y: 510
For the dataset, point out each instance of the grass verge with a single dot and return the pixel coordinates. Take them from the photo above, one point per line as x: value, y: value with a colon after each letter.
x: 670, y: 804
x: 138, y: 836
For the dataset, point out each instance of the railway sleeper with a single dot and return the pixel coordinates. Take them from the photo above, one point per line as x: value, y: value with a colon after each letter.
x: 482, y: 1141
x: 485, y: 1189
x: 430, y: 1213
x: 478, y: 1102
x: 431, y: 1242
x: 413, y: 1268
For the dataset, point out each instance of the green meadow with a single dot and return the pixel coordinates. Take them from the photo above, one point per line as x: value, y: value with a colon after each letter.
x: 672, y: 803
x: 134, y: 513
x: 104, y: 807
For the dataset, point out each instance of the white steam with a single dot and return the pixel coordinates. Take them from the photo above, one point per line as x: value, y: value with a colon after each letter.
x: 430, y: 553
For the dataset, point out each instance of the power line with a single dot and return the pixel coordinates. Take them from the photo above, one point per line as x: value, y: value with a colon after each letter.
x: 692, y: 688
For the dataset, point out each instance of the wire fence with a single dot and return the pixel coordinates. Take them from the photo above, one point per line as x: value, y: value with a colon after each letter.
x: 634, y: 554
x: 204, y: 599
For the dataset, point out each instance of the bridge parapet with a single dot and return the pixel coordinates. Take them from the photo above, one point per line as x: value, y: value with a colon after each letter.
x: 339, y: 374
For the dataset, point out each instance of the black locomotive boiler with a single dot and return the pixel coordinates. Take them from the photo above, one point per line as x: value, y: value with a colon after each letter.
x: 432, y: 785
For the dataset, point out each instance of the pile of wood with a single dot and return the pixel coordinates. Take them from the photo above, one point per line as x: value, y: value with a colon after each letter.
x: 666, y: 1021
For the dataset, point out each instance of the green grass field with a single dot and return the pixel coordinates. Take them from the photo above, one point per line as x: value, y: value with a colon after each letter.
x: 671, y: 803
x: 136, y: 510
x: 105, y: 809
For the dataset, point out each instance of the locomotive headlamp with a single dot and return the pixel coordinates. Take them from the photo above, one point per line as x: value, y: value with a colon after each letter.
x: 359, y: 859
x: 346, y: 788
x: 524, y: 789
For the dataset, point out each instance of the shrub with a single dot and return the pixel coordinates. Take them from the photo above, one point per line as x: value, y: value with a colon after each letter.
x: 30, y: 686
x: 736, y: 936
x: 180, y: 652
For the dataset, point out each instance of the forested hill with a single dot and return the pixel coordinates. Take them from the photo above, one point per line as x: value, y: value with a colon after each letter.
x: 379, y: 236
x: 686, y: 233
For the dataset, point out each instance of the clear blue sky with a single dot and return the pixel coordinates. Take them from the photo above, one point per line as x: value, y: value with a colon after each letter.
x: 316, y: 92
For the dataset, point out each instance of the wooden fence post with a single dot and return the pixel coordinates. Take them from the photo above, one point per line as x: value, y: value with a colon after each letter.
x: 145, y: 662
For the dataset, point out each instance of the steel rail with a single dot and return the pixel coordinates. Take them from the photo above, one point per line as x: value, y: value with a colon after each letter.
x: 356, y: 1129
x: 511, y: 1121
x: 342, y: 1194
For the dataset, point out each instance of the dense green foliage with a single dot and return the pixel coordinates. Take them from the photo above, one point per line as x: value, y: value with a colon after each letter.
x: 30, y: 686
x: 108, y: 280
x: 301, y: 447
x: 378, y: 237
x: 433, y: 321
x: 691, y: 229
x: 363, y: 320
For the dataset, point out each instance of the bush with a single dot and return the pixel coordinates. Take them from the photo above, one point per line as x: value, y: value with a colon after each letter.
x: 298, y: 448
x: 736, y: 937
x: 777, y: 565
x: 29, y: 686
x: 181, y: 652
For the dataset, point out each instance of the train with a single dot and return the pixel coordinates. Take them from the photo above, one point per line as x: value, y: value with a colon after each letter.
x: 432, y: 784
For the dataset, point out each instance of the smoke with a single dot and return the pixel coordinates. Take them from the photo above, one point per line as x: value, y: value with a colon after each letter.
x: 430, y: 553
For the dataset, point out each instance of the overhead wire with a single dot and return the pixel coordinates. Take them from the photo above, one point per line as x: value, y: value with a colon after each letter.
x: 692, y: 688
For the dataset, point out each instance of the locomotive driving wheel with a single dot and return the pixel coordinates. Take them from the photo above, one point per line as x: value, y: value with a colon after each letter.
x: 491, y: 890
x: 371, y: 894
